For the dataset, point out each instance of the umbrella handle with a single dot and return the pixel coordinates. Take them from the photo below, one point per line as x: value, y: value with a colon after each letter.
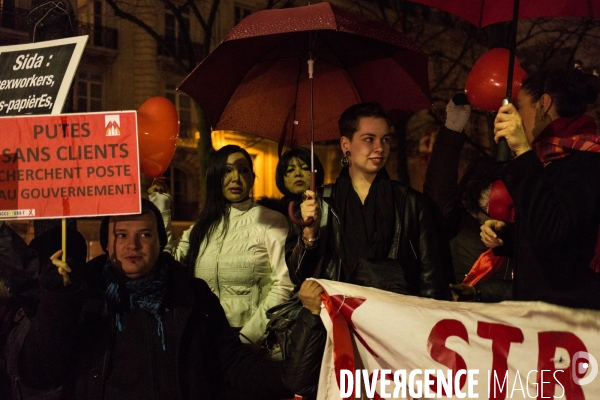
x: 503, y: 153
x: 295, y: 220
x: 291, y: 205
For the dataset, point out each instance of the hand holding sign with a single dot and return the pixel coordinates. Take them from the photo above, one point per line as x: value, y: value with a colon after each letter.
x: 158, y: 129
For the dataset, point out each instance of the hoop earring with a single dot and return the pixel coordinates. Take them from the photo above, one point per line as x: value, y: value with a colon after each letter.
x: 345, y: 161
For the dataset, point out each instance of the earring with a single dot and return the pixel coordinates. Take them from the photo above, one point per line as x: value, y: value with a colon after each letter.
x: 345, y: 159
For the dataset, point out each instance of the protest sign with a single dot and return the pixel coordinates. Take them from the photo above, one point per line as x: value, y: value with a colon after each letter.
x: 385, y: 345
x: 70, y: 165
x: 35, y: 78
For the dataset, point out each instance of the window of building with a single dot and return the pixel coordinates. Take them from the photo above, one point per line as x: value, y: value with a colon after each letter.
x: 170, y: 27
x: 240, y: 12
x: 88, y: 95
x: 90, y: 12
x: 95, y: 20
x: 183, y: 104
x: 173, y: 30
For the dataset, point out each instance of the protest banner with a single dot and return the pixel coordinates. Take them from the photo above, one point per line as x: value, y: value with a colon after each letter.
x: 385, y: 345
x: 70, y: 165
x: 35, y: 78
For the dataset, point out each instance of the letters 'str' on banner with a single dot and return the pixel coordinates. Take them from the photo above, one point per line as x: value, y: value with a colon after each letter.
x: 384, y: 345
x: 71, y: 165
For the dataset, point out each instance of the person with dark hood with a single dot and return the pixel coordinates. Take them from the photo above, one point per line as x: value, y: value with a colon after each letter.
x: 368, y: 229
x: 134, y: 324
x: 554, y: 183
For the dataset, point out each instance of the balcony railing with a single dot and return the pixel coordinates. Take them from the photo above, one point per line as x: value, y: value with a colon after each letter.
x: 180, y: 49
x: 100, y: 36
x: 13, y: 18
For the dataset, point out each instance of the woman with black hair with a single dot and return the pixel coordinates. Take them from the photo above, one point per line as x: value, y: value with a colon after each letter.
x: 237, y: 246
x: 554, y: 183
x: 292, y: 177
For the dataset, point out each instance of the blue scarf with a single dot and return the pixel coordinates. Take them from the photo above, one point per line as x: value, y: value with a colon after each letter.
x: 147, y: 293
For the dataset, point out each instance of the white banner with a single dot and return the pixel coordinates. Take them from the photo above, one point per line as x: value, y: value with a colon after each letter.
x: 385, y: 345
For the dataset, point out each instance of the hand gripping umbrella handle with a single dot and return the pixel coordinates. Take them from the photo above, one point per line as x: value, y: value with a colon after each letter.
x: 503, y: 153
x: 291, y: 205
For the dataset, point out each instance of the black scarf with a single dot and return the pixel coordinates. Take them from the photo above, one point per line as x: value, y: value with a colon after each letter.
x: 147, y: 293
x: 367, y: 229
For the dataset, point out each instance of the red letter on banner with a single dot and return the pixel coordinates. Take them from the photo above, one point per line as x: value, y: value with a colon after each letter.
x: 436, y: 345
x: 548, y: 342
x: 501, y: 336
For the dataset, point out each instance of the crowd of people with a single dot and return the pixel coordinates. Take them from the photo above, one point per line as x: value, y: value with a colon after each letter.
x: 180, y: 318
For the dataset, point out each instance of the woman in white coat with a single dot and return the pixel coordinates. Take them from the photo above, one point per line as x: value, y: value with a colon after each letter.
x: 237, y: 246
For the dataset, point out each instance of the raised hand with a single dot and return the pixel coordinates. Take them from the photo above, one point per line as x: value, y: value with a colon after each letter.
x: 310, y: 209
x: 63, y: 267
x: 508, y: 124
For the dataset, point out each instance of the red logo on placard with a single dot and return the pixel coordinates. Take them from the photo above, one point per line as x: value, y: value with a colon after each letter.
x: 112, y: 125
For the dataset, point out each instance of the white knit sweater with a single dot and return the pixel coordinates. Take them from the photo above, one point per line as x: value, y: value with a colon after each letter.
x: 245, y: 267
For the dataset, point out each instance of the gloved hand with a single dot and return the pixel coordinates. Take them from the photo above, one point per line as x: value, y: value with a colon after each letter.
x: 457, y: 116
x: 159, y: 194
x: 463, y: 292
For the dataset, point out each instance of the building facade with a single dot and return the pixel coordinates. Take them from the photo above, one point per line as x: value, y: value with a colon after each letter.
x: 125, y: 64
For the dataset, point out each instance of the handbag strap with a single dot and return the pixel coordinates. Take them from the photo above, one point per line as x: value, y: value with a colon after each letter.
x: 326, y: 195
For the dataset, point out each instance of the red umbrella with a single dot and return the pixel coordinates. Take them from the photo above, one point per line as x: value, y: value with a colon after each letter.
x: 486, y: 12
x: 257, y: 80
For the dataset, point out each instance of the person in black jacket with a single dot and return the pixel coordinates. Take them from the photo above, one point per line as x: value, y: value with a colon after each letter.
x: 133, y: 324
x: 368, y: 229
x: 554, y: 183
x: 462, y: 206
x: 18, y: 291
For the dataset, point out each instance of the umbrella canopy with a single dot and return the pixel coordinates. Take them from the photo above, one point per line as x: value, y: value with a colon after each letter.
x: 256, y: 81
x: 486, y: 12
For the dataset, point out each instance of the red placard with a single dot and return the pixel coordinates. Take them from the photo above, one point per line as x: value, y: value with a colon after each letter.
x: 70, y: 165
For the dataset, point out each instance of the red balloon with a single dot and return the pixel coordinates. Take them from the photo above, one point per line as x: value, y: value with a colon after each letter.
x: 158, y: 129
x: 486, y: 83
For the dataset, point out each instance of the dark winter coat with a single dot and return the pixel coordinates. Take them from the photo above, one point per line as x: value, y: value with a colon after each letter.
x: 71, y: 344
x: 557, y: 214
x: 459, y: 227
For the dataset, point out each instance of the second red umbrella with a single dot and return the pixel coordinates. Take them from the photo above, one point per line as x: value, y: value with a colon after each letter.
x: 257, y: 80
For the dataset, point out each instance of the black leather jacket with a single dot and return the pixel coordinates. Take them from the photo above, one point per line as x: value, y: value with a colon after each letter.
x: 415, y: 245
